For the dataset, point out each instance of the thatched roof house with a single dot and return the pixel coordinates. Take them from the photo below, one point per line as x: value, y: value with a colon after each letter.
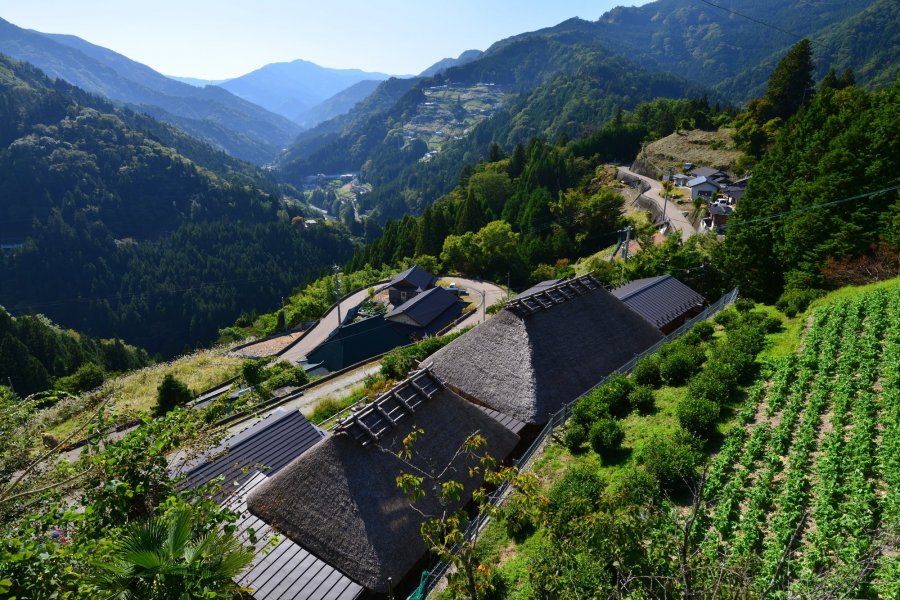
x: 544, y: 350
x: 340, y: 499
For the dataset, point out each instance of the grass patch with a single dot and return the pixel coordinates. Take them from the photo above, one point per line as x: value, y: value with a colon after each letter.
x: 328, y: 407
x: 134, y: 393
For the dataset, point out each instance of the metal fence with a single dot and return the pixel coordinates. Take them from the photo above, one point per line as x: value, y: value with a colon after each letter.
x: 523, y: 462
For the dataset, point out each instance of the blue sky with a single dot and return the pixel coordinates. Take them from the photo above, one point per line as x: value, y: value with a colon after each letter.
x: 215, y: 39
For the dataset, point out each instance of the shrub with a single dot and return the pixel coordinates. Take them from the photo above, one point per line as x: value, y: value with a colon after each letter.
x: 170, y: 393
x: 727, y: 318
x: 325, y: 409
x: 743, y: 305
x: 697, y: 415
x: 671, y: 458
x: 397, y: 363
x: 575, y: 496
x: 796, y: 300
x: 704, y: 329
x: 575, y: 437
x: 606, y: 435
x: 633, y: 485
x: 710, y: 385
x: 641, y: 399
x: 678, y: 366
x: 589, y: 409
x: 614, y: 393
x: 283, y: 374
x: 646, y: 371
x: 87, y: 377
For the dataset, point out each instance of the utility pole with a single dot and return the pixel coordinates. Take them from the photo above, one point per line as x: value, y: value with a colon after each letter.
x: 337, y: 293
x: 508, y: 290
x: 666, y: 198
x: 483, y: 307
x: 283, y: 314
x: 627, y: 242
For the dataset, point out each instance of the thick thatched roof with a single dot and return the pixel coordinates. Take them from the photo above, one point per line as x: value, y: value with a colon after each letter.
x: 340, y: 499
x: 544, y: 350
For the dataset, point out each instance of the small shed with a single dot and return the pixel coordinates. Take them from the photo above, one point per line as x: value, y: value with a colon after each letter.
x: 664, y: 302
x: 341, y: 499
x: 409, y: 284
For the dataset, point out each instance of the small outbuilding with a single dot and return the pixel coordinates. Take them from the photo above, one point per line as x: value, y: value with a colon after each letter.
x: 664, y: 302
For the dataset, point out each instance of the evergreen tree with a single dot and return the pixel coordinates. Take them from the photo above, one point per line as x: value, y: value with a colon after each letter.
x: 470, y: 217
x: 170, y: 393
x: 791, y: 83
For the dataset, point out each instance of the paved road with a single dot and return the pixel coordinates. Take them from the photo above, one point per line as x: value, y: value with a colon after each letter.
x: 673, y: 211
x: 338, y: 387
x: 492, y: 293
x: 322, y: 330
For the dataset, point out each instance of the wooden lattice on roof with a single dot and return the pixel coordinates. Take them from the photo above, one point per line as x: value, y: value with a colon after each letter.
x: 369, y: 423
x: 551, y: 296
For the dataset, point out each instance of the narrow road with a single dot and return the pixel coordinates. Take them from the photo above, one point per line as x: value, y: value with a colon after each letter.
x: 492, y: 293
x: 338, y: 387
x: 673, y: 211
x: 322, y: 330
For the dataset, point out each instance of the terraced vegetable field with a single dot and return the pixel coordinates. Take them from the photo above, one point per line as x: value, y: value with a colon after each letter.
x: 805, y: 497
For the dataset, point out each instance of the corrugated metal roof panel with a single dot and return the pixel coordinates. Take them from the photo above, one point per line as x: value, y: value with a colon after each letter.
x: 287, y: 570
x: 659, y: 300
x: 268, y: 445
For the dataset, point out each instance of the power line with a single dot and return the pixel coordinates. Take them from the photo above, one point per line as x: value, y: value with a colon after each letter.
x: 812, y: 207
x: 755, y: 20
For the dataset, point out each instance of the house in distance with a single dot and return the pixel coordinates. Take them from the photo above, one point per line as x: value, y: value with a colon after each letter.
x: 410, y: 283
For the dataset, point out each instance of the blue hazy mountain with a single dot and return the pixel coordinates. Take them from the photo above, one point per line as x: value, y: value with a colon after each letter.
x: 241, y: 128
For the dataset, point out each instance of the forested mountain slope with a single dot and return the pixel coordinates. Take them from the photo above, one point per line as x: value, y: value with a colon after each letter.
x: 212, y: 114
x: 121, y: 236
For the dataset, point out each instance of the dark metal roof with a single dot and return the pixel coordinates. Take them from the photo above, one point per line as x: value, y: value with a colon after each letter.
x: 511, y: 423
x: 427, y: 306
x: 267, y: 446
x: 287, y: 570
x: 708, y: 172
x: 415, y: 277
x: 659, y: 300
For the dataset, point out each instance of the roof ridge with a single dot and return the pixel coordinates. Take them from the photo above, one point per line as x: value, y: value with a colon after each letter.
x: 369, y: 423
x: 558, y: 293
x: 656, y: 280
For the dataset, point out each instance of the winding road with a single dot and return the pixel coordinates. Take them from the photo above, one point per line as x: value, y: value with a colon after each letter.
x: 673, y: 212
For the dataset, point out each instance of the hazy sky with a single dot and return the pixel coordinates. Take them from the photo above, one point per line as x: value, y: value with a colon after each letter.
x: 215, y: 39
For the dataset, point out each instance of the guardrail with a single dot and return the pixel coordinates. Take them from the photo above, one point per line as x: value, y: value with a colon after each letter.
x: 523, y: 462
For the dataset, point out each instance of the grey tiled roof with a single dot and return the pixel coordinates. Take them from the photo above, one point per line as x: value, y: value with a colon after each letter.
x: 659, y: 300
x: 426, y: 307
x: 286, y: 570
x: 415, y: 277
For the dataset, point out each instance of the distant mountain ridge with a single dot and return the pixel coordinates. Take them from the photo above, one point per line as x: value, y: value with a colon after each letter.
x: 445, y: 63
x: 212, y: 114
x: 568, y: 78
x: 292, y: 88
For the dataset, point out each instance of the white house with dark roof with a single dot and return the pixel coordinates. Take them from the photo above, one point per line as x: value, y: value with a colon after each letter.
x: 702, y: 187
